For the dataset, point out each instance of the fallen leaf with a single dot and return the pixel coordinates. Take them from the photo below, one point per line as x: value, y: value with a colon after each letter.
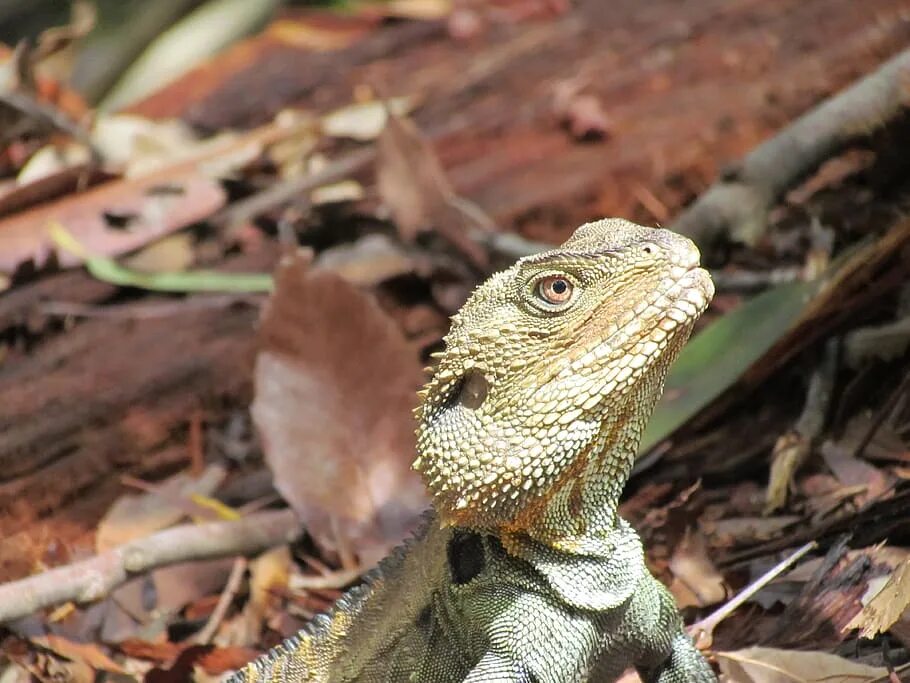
x: 344, y: 191
x: 323, y: 32
x: 851, y: 471
x: 771, y: 665
x: 886, y: 442
x: 790, y: 451
x: 696, y: 581
x: 110, y: 219
x: 85, y: 653
x: 364, y: 121
x: 51, y: 160
x: 426, y: 10
x: 887, y: 606
x: 19, y: 197
x: 138, y: 515
x: 412, y: 183
x: 335, y: 384
x: 126, y: 611
x: 171, y: 254
x: 742, y: 530
x: 582, y: 114
x: 181, y: 584
x: 158, y: 651
x: 139, y: 145
x: 370, y: 260
x: 269, y: 575
x: 13, y: 673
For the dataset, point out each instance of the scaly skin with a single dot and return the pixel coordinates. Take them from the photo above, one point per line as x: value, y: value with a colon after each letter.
x: 527, y: 433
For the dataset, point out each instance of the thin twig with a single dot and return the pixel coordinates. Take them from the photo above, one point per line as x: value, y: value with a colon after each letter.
x: 294, y: 189
x: 50, y: 116
x: 94, y: 578
x: 705, y: 627
x: 204, y: 637
x: 333, y: 580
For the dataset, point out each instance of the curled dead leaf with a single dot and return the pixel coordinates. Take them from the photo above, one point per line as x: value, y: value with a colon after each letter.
x: 412, y: 183
x: 111, y: 219
x: 696, y: 581
x: 772, y: 665
x: 887, y: 606
x: 335, y: 385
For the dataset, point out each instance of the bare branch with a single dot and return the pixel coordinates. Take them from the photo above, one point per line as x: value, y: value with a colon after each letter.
x: 738, y: 203
x: 96, y: 577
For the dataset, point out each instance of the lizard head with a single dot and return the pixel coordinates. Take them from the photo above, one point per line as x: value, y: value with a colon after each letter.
x: 550, y: 372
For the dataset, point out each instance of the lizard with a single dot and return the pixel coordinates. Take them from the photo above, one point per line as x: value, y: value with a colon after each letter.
x: 528, y: 428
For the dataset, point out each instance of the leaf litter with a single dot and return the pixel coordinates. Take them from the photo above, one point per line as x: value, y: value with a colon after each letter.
x: 341, y: 341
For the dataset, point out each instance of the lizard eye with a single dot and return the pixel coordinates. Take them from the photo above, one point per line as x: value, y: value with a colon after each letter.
x: 555, y: 290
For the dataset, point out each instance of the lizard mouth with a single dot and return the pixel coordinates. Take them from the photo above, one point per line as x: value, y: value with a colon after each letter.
x: 699, y: 289
x: 681, y: 304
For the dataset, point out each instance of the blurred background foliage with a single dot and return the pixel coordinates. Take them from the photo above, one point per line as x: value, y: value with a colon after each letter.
x: 127, y: 48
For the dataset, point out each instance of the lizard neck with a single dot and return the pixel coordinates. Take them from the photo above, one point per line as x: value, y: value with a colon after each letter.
x: 578, y: 515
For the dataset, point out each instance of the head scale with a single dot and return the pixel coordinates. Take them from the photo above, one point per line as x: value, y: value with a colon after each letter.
x: 551, y: 369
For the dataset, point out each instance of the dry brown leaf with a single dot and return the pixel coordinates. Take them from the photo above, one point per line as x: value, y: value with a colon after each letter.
x: 426, y: 10
x: 364, y: 121
x: 181, y: 584
x: 156, y: 651
x: 370, y: 260
x: 137, y: 515
x: 696, y: 581
x: 343, y: 191
x: 321, y: 32
x: 84, y: 653
x: 52, y: 160
x: 584, y: 117
x: 742, y: 530
x: 269, y: 575
x: 887, y: 605
x: 412, y: 183
x: 851, y: 471
x: 169, y: 255
x: 111, y: 219
x: 886, y: 442
x: 18, y: 196
x: 771, y: 665
x: 335, y: 385
x: 196, y: 660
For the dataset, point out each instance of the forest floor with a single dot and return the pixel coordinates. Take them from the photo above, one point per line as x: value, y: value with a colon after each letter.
x: 217, y: 304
